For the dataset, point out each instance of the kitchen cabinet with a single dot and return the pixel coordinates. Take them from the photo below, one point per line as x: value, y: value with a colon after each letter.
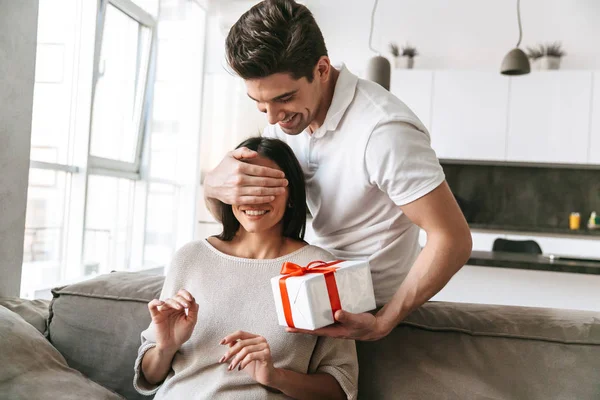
x: 549, y: 117
x: 523, y: 287
x: 414, y: 89
x: 469, y: 113
x: 594, y: 151
x: 518, y: 287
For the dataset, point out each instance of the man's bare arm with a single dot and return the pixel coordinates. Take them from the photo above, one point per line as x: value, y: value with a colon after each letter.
x: 447, y: 249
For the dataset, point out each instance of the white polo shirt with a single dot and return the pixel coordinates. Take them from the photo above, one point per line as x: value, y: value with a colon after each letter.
x: 370, y: 156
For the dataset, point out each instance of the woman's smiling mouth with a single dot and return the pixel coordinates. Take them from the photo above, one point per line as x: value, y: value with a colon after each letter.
x: 255, y: 213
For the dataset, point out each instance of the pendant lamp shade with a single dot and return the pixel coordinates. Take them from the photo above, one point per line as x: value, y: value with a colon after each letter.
x: 379, y: 71
x: 516, y: 61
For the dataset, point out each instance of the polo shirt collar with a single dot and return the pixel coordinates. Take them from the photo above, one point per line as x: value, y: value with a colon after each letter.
x: 343, y: 94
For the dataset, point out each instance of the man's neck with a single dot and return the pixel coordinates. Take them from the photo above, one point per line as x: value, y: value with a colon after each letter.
x: 264, y: 245
x: 325, y: 102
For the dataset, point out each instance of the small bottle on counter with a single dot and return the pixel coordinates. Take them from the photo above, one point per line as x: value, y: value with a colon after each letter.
x: 594, y: 221
x: 574, y: 221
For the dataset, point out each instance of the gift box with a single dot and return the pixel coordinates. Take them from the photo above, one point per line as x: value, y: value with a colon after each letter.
x: 308, y: 297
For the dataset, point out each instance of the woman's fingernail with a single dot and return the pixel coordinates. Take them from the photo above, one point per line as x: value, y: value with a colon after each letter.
x: 222, y: 341
x: 222, y: 359
x: 230, y: 367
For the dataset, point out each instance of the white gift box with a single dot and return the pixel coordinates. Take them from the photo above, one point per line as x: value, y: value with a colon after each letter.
x: 309, y: 300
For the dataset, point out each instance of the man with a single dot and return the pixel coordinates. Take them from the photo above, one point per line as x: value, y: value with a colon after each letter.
x: 372, y: 177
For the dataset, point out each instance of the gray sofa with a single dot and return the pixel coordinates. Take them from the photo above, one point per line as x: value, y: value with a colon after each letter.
x: 442, y: 351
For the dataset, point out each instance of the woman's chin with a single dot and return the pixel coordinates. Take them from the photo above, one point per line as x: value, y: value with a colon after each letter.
x: 257, y: 226
x: 253, y: 227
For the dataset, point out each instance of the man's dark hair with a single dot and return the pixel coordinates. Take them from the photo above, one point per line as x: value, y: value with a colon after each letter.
x: 272, y: 37
x: 294, y: 218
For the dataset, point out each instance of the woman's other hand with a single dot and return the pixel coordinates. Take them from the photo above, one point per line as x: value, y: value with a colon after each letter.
x: 250, y: 353
x: 173, y: 325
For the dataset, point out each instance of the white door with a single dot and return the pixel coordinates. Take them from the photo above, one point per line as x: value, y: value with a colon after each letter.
x: 414, y: 89
x: 469, y: 115
x: 594, y: 150
x: 549, y: 117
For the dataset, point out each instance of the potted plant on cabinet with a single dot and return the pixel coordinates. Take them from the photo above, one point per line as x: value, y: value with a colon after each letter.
x: 547, y: 56
x: 404, y: 57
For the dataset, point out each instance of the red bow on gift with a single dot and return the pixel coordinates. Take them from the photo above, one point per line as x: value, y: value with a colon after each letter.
x: 290, y: 269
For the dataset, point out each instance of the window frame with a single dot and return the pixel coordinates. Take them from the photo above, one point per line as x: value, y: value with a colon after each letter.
x: 72, y: 169
x: 107, y: 166
x: 80, y: 164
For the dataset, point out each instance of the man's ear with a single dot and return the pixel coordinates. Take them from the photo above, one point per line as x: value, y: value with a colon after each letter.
x: 323, y: 69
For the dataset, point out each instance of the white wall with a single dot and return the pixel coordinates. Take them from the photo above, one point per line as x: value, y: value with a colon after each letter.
x: 459, y: 34
x: 18, y: 32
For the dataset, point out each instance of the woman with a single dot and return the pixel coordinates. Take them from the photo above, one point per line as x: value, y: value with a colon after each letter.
x: 215, y: 333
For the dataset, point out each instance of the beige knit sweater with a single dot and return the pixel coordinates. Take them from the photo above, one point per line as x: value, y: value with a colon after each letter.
x: 235, y: 294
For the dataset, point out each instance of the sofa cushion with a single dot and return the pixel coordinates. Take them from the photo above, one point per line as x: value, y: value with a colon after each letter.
x: 471, y: 351
x: 96, y: 325
x: 33, y: 311
x: 33, y: 369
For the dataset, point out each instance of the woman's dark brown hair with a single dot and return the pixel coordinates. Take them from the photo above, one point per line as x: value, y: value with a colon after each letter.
x: 294, y: 219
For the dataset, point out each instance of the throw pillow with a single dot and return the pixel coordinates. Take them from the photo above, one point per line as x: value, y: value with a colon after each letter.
x: 33, y: 369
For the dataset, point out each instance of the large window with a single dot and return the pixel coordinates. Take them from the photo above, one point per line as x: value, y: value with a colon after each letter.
x: 121, y: 82
x: 114, y: 164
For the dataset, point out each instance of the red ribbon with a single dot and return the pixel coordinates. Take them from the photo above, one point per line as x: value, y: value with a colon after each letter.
x: 320, y: 267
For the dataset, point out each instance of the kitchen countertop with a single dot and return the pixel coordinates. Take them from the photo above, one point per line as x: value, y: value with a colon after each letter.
x: 593, y: 233
x: 532, y: 262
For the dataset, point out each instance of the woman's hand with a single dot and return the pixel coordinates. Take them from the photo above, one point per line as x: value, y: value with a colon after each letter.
x: 250, y: 353
x: 173, y: 326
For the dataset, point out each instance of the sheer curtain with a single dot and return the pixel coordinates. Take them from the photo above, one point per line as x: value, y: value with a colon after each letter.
x: 228, y: 115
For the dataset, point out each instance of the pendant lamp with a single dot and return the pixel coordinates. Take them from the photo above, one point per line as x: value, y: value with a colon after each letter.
x: 516, y: 61
x: 378, y: 68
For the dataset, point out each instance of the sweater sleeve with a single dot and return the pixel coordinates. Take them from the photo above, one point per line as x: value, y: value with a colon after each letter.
x: 148, y: 337
x: 337, y: 357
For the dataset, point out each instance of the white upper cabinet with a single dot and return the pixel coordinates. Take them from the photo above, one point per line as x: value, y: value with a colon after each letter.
x: 469, y: 115
x: 594, y: 151
x: 414, y: 89
x: 549, y: 117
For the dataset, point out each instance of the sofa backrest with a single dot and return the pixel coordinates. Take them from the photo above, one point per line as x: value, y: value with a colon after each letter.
x: 96, y: 325
x: 441, y: 351
x: 472, y: 351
